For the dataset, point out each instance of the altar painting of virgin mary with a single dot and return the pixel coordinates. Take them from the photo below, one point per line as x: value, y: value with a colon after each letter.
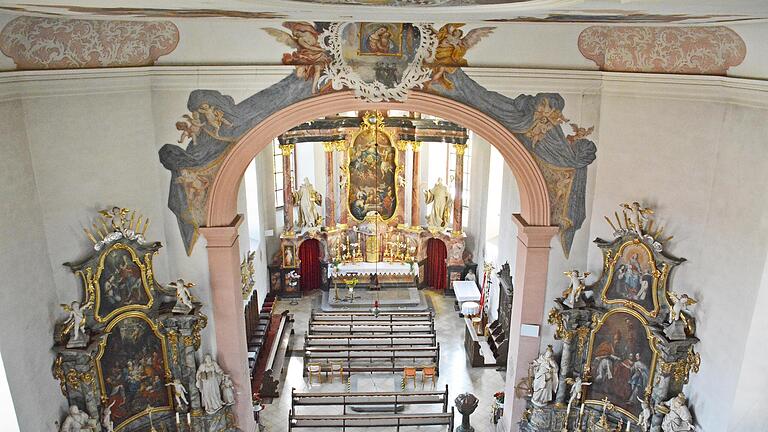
x: 621, y: 359
x: 132, y: 368
x: 372, y: 164
x: 633, y: 277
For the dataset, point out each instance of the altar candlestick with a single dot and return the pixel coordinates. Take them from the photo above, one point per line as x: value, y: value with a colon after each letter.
x: 178, y: 421
x: 189, y: 419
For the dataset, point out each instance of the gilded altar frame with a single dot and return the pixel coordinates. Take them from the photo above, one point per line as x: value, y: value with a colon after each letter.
x: 374, y: 127
x: 166, y: 368
x: 93, y: 288
x: 652, y: 340
x: 660, y: 277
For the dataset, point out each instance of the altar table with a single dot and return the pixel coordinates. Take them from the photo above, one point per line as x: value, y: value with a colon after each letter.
x: 466, y: 291
x: 382, y: 268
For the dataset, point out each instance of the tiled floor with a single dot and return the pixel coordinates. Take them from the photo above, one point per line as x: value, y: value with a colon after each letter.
x: 454, y: 370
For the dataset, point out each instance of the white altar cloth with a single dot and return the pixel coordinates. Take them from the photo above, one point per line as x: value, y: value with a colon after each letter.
x: 466, y: 291
x: 366, y: 268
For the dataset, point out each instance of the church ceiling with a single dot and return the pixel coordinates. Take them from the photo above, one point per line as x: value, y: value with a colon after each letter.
x: 514, y: 11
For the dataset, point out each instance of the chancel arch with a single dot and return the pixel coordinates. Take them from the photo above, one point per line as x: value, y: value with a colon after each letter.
x: 534, y: 229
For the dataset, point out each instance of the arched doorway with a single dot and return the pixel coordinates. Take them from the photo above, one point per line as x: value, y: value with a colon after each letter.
x: 435, y: 267
x: 534, y: 230
x: 309, y: 267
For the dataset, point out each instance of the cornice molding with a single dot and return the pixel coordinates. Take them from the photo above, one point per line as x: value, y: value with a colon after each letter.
x: 510, y: 81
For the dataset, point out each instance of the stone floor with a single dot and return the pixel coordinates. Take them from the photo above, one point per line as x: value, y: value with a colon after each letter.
x: 454, y: 370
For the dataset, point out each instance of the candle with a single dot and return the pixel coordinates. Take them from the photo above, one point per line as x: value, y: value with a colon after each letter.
x: 581, y: 410
x: 629, y: 423
x: 189, y: 419
x: 177, y: 418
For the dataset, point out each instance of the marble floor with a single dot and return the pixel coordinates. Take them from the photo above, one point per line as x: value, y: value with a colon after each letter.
x: 454, y: 370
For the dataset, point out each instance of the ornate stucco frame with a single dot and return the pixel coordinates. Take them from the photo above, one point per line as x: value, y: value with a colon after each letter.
x: 660, y: 276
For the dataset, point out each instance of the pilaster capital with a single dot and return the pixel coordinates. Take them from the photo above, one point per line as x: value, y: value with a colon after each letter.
x: 222, y: 236
x: 460, y: 149
x: 533, y: 236
x: 286, y: 149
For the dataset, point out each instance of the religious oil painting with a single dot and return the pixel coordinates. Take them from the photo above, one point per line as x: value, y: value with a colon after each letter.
x: 633, y: 276
x: 372, y: 165
x: 120, y: 282
x: 380, y: 39
x: 132, y: 368
x: 289, y: 256
x: 621, y: 360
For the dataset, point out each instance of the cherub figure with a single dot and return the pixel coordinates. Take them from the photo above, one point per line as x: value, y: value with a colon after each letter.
x: 189, y: 127
x: 116, y: 215
x: 452, y: 46
x: 183, y: 296
x: 644, y: 420
x: 577, y: 387
x: 75, y: 323
x: 578, y: 133
x: 179, y: 392
x: 572, y: 295
x: 639, y: 216
x: 309, y: 57
x: 106, y: 418
x: 679, y: 305
x: 214, y: 118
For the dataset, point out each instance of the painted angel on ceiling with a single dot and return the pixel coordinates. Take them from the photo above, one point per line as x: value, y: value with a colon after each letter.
x: 309, y: 57
x: 452, y: 46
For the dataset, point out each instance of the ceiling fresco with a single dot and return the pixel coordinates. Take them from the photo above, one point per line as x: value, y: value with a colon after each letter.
x: 514, y: 11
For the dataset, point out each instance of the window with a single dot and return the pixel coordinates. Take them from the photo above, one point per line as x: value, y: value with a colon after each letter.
x: 277, y: 168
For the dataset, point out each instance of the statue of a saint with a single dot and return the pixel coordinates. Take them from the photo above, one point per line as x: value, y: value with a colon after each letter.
x: 545, y: 379
x: 644, y: 419
x: 77, y: 421
x: 440, y: 199
x: 227, y: 390
x: 308, y: 199
x: 208, y: 381
x: 679, y: 418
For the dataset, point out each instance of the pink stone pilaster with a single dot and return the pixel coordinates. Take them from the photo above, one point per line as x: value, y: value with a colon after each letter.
x: 227, y: 304
x: 531, y: 265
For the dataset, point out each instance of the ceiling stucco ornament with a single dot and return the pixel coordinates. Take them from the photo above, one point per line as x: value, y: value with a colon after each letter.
x: 359, y: 51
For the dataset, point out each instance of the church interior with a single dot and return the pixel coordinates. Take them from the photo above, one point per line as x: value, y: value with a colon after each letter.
x: 385, y: 215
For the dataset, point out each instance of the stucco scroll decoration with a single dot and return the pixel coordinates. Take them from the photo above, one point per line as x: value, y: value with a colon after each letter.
x: 341, y: 74
x: 685, y: 50
x: 56, y: 43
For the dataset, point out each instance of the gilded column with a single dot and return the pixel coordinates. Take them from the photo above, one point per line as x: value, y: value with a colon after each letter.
x: 459, y: 187
x: 401, y: 146
x: 344, y: 189
x: 286, y: 150
x: 415, y: 180
x: 330, y: 186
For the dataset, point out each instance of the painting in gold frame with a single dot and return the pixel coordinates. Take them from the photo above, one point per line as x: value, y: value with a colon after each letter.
x: 289, y: 256
x: 621, y: 359
x: 380, y: 39
x: 633, y: 278
x: 121, y: 282
x: 132, y: 367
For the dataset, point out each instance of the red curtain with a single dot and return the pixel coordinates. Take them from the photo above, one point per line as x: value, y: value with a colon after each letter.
x: 309, y: 269
x: 436, y: 271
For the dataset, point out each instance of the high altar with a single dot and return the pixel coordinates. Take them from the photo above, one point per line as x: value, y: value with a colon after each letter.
x: 364, y: 229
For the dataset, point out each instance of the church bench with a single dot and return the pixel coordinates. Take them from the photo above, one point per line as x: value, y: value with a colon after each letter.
x: 375, y: 359
x: 275, y: 364
x: 368, y: 327
x: 389, y: 421
x: 385, y: 341
x: 367, y: 316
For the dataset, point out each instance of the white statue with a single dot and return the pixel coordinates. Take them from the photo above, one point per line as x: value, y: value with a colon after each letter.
x: 639, y: 216
x: 179, y: 392
x: 183, y: 296
x: 573, y: 293
x: 545, y: 379
x: 228, y: 390
x: 577, y: 386
x: 75, y: 323
x: 208, y: 381
x: 679, y: 418
x: 644, y: 420
x: 77, y: 421
x: 440, y: 214
x: 308, y: 199
x: 106, y: 418
x: 680, y: 304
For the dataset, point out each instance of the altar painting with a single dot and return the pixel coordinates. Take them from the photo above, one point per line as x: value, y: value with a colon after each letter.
x: 633, y: 277
x: 120, y: 281
x: 132, y: 369
x: 621, y: 360
x: 372, y: 165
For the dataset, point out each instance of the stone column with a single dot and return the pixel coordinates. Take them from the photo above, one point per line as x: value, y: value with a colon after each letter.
x: 531, y: 266
x: 330, y: 186
x: 415, y: 180
x: 401, y: 146
x: 344, y: 190
x: 565, y: 364
x: 229, y: 323
x: 458, y: 187
x: 287, y: 149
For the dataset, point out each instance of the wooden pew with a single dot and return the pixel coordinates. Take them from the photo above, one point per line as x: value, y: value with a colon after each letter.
x: 378, y: 340
x: 275, y: 366
x: 367, y: 316
x: 373, y: 359
x: 371, y: 327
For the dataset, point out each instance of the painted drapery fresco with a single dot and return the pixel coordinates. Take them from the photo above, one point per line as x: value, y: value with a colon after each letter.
x: 215, y: 121
x: 132, y: 367
x: 372, y: 166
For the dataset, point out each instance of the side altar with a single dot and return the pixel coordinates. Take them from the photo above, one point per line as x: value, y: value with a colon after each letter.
x: 360, y: 225
x: 627, y: 341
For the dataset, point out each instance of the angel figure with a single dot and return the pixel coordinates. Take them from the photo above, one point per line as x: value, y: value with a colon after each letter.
x: 679, y: 305
x: 106, y: 418
x: 577, y: 387
x: 309, y: 57
x: 452, y: 45
x: 644, y: 420
x: 214, y: 118
x: 189, y: 127
x: 183, y: 296
x: 116, y: 215
x: 179, y: 392
x: 578, y: 133
x: 75, y: 323
x: 639, y: 214
x: 572, y: 295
